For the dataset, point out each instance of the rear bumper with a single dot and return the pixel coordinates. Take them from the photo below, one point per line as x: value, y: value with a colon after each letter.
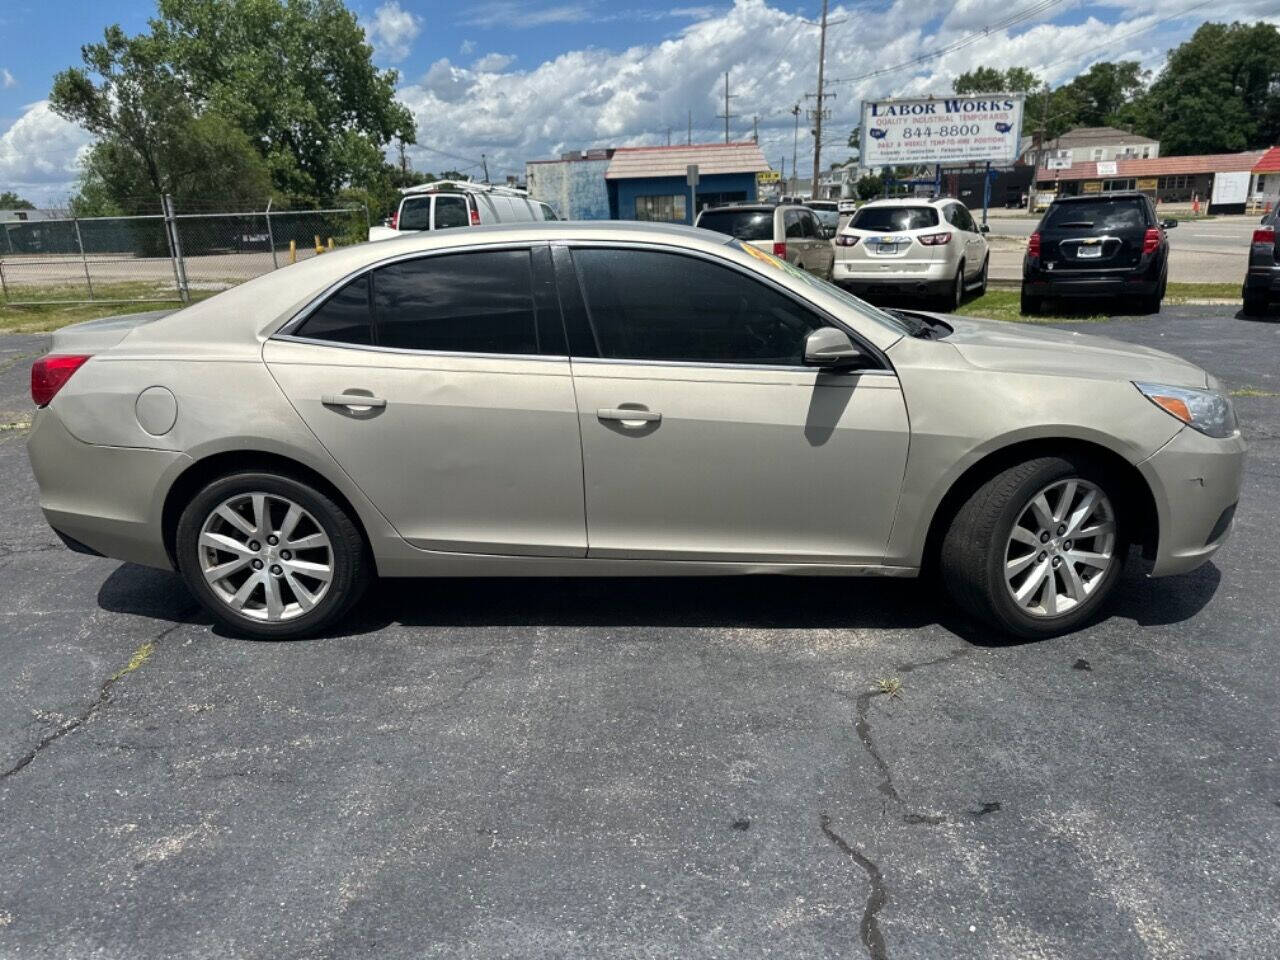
x: 928, y: 277
x: 106, y: 500
x: 1196, y: 483
x: 1265, y: 279
x: 1140, y: 280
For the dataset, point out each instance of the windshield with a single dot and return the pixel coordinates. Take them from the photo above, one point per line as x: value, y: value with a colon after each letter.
x: 895, y: 218
x: 896, y: 324
x: 1100, y: 214
x: 743, y: 224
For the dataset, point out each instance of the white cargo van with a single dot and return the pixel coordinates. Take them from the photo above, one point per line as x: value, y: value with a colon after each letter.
x: 458, y: 203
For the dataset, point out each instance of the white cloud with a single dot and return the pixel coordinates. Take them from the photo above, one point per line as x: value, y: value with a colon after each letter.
x: 514, y: 14
x: 7, y: 79
x: 40, y: 154
x: 468, y: 47
x: 393, y: 31
x: 493, y: 63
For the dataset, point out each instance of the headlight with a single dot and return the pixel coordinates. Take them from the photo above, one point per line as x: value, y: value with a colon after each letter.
x: 1208, y: 411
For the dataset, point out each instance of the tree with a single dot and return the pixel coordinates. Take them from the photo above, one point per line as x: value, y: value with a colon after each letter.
x: 1101, y: 94
x: 11, y: 201
x: 869, y: 187
x: 991, y: 80
x: 1219, y: 91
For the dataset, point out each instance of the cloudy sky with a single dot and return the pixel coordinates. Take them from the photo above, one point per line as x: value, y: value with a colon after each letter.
x: 517, y: 80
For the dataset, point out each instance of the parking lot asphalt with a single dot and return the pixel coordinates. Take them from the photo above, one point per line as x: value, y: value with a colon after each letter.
x: 641, y: 768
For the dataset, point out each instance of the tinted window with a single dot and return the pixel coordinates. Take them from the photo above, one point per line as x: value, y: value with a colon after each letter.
x: 344, y: 317
x: 743, y: 224
x: 1096, y: 214
x: 415, y: 213
x: 547, y: 212
x: 466, y: 303
x: 895, y: 218
x: 451, y: 212
x: 794, y: 224
x: 700, y: 311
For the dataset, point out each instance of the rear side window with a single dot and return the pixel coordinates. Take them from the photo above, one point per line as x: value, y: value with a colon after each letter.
x: 463, y: 303
x: 700, y: 311
x: 415, y: 213
x: 895, y: 218
x: 344, y: 317
x: 743, y: 224
x: 793, y: 224
x: 547, y: 212
x: 451, y: 212
x: 1102, y: 214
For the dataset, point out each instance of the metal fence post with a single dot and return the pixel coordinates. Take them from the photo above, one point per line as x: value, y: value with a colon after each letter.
x: 271, y: 237
x: 175, y: 249
x: 83, y: 259
x: 4, y: 287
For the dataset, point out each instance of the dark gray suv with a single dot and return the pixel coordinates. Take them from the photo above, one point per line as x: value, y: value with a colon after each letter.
x: 1262, y: 279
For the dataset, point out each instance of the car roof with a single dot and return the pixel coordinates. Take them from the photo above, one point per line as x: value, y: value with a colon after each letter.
x: 743, y: 206
x: 907, y: 201
x: 1117, y: 195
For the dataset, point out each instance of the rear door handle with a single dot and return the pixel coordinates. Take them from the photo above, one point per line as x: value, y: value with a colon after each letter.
x: 628, y: 416
x: 354, y: 401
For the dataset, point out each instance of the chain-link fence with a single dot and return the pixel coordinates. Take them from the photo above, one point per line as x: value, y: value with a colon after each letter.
x: 161, y: 257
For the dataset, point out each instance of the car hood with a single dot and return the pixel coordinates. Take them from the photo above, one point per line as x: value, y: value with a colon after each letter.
x: 1000, y: 345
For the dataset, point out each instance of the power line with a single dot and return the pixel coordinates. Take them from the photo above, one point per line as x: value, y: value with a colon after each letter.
x: 1131, y: 33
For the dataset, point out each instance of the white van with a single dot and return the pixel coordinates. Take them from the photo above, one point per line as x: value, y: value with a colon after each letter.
x: 457, y: 203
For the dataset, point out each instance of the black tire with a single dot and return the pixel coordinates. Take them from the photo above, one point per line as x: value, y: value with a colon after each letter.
x: 351, y: 566
x: 1030, y: 305
x: 951, y: 300
x: 1254, y: 305
x: 982, y: 283
x: 973, y: 553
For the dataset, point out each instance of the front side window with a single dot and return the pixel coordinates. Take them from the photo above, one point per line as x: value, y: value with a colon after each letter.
x: 662, y: 209
x: 464, y: 303
x: 451, y: 212
x: 700, y: 311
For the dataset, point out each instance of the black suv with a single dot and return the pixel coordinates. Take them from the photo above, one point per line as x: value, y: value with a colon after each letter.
x: 1103, y: 245
x: 1262, y: 280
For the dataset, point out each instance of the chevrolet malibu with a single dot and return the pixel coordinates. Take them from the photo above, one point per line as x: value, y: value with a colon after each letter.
x: 569, y: 399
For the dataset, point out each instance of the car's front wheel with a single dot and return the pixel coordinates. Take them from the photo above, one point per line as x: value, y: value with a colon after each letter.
x: 1037, y: 549
x: 269, y: 556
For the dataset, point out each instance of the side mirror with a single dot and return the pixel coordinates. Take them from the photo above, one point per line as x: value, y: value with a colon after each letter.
x: 831, y: 349
x: 1168, y: 224
x: 984, y: 228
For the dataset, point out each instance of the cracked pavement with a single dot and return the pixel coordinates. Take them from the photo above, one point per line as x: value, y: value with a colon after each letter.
x: 647, y: 768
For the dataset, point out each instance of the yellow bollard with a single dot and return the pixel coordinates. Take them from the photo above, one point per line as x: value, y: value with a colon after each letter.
x: 293, y: 251
x: 319, y: 249
x: 331, y: 243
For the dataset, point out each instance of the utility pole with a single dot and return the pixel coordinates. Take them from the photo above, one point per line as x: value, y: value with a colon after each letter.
x: 484, y: 162
x: 795, y: 145
x: 726, y: 115
x: 668, y: 136
x: 821, y: 98
x: 1044, y: 123
x: 755, y: 129
x: 690, y: 141
x: 404, y: 160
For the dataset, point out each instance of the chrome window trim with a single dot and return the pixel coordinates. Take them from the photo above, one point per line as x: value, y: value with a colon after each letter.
x: 410, y: 352
x: 712, y: 365
x: 871, y: 350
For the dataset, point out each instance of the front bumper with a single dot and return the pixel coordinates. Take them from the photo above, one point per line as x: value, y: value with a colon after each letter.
x: 1196, y: 483
x: 105, y: 499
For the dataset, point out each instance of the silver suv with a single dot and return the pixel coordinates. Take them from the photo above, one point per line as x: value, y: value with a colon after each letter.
x: 922, y: 248
x: 791, y: 233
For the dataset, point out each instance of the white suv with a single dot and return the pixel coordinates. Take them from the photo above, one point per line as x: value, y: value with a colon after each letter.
x: 458, y: 203
x: 923, y: 248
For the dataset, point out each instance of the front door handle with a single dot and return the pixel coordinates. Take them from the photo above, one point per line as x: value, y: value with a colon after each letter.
x: 353, y: 401
x: 628, y: 417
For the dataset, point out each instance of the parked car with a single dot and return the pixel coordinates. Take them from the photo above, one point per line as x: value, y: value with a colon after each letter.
x: 1262, y: 279
x: 830, y: 220
x: 922, y: 248
x: 791, y: 232
x: 616, y: 399
x: 1104, y: 245
x: 446, y: 204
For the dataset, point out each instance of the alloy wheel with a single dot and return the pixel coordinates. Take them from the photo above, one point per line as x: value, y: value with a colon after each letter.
x: 265, y: 556
x: 1061, y: 548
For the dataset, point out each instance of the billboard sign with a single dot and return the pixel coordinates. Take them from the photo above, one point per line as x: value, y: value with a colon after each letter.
x: 1107, y: 168
x: 941, y: 130
x: 1061, y: 160
x: 1231, y: 188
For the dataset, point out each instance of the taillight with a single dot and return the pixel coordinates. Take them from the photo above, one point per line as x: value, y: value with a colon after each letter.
x: 395, y: 220
x: 475, y: 217
x: 934, y: 239
x: 845, y: 240
x: 1151, y: 241
x: 1266, y: 235
x: 49, y: 375
x: 780, y: 250
x: 1033, y: 245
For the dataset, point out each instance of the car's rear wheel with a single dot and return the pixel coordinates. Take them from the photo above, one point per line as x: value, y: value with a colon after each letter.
x: 270, y: 556
x: 1030, y: 304
x: 982, y: 280
x: 951, y: 301
x: 1037, y: 549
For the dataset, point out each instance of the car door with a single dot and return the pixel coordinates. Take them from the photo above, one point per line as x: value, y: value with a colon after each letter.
x: 975, y: 247
x: 704, y: 436
x: 441, y: 385
x: 793, y: 232
x: 449, y: 212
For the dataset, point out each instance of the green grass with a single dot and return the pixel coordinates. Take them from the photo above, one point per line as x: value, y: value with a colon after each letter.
x: 48, y: 315
x: 1002, y: 302
x: 1254, y: 392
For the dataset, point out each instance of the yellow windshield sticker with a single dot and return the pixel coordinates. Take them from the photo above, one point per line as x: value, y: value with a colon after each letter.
x: 766, y: 257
